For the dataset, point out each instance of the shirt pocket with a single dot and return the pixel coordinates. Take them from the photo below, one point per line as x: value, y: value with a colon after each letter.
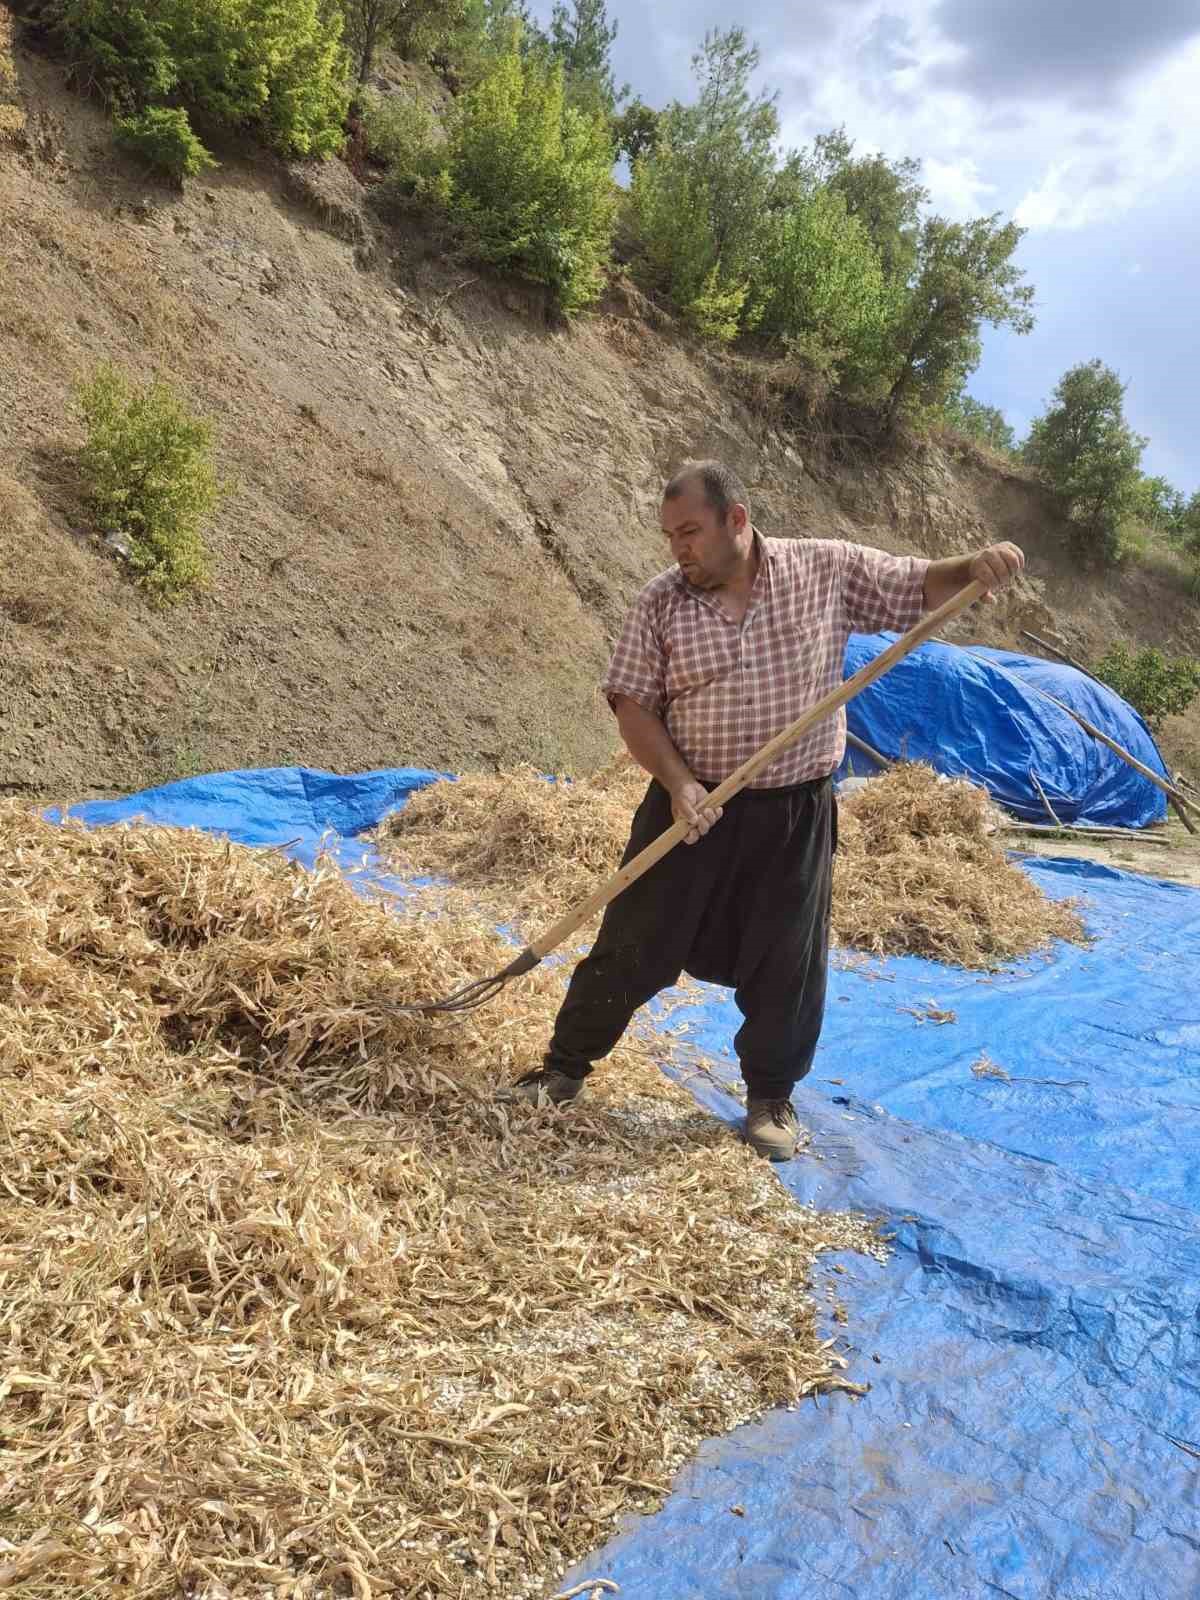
x: 697, y: 657
x: 805, y: 649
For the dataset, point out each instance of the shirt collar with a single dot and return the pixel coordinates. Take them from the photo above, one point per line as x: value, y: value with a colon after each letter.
x: 766, y: 557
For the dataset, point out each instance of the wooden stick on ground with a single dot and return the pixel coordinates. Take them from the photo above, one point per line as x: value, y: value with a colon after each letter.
x: 1125, y: 835
x: 1045, y: 799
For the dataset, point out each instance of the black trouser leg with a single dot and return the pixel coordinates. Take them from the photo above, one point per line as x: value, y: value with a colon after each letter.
x: 642, y: 945
x: 747, y: 907
x: 766, y: 932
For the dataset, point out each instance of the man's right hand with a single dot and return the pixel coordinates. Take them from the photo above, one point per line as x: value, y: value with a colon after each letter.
x: 689, y: 803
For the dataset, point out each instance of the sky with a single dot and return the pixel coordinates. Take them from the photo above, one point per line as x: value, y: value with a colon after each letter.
x: 1080, y: 118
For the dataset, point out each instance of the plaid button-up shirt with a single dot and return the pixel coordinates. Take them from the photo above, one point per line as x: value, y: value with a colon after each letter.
x: 724, y: 688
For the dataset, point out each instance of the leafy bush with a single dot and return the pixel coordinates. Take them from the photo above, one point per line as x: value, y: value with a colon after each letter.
x: 274, y: 65
x: 716, y: 311
x: 821, y: 287
x: 152, y: 479
x: 1091, y: 456
x: 403, y: 132
x: 163, y: 136
x: 530, y: 178
x: 1153, y: 684
x: 123, y: 51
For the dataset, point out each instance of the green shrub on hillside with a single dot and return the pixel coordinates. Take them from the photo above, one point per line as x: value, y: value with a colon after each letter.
x: 163, y: 136
x: 123, y: 51
x: 963, y: 276
x: 822, y: 288
x: 986, y: 424
x: 277, y: 66
x: 403, y: 132
x: 529, y: 178
x: 149, y: 462
x: 1156, y: 685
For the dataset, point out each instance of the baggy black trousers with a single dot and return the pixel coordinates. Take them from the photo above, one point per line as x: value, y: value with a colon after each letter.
x: 747, y: 906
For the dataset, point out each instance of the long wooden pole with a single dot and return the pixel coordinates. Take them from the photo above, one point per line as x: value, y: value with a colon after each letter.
x: 1071, y: 662
x: 737, y: 781
x: 1065, y: 829
x: 1062, y: 656
x: 1182, y: 803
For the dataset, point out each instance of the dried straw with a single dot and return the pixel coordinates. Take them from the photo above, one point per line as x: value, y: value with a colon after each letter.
x: 527, y: 847
x: 917, y: 872
x: 289, y: 1305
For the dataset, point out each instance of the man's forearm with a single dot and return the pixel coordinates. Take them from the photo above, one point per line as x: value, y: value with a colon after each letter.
x: 995, y: 565
x: 648, y: 742
x: 944, y: 579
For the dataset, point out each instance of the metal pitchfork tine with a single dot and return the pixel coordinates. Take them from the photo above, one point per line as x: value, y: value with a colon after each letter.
x: 473, y: 995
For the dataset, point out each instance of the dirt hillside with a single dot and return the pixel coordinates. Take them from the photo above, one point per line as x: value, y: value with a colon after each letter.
x: 439, y: 503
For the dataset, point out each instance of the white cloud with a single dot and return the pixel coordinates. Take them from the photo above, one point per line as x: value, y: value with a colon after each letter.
x: 1153, y: 138
x: 957, y: 189
x: 890, y: 74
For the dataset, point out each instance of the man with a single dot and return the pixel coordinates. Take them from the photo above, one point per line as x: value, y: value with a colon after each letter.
x: 717, y: 656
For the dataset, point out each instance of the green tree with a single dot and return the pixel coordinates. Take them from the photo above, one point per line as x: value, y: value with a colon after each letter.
x: 529, y: 177
x: 635, y: 131
x: 885, y: 196
x: 964, y: 276
x: 1090, y: 455
x: 581, y: 38
x: 698, y: 197
x: 1159, y: 502
x: 821, y: 288
x: 985, y: 423
x: 1157, y: 686
x: 148, y: 459
x: 1164, y: 508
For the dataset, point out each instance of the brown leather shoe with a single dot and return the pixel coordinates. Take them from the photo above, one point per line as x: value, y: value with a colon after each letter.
x: 544, y: 1086
x: 771, y: 1128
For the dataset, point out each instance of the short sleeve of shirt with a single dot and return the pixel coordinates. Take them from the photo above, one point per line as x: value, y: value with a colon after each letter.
x: 638, y: 667
x: 882, y: 591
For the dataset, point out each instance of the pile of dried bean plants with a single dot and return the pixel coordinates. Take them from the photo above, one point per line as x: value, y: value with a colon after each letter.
x: 918, y: 871
x: 290, y: 1306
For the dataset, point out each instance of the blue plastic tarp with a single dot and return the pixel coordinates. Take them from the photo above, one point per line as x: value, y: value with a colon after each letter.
x: 983, y: 715
x: 1032, y: 1424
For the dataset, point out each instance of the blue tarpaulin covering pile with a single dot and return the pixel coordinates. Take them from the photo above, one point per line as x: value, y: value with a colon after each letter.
x: 1032, y: 1349
x: 984, y: 715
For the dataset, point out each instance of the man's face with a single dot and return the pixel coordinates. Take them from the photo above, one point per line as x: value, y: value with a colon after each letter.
x: 706, y: 545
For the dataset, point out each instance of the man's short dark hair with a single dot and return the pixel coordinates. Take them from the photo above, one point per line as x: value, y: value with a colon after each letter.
x: 722, y: 487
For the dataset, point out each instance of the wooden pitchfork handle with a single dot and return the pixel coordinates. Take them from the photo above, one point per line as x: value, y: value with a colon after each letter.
x: 737, y: 781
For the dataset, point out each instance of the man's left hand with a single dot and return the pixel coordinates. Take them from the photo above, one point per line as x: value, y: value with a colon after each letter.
x: 997, y: 565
